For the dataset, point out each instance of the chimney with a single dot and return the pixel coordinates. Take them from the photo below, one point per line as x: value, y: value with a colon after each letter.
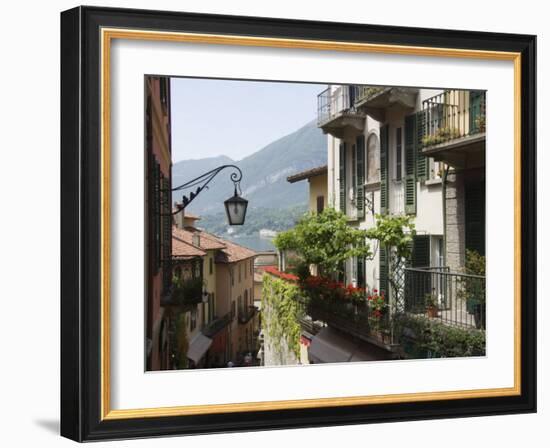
x: 196, y: 239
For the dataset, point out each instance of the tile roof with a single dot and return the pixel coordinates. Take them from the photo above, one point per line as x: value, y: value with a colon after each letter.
x: 182, y: 249
x: 206, y: 241
x: 233, y: 252
x: 227, y: 251
x: 307, y: 174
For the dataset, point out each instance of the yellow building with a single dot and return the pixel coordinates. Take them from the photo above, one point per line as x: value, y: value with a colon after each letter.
x: 228, y: 316
x: 318, y: 186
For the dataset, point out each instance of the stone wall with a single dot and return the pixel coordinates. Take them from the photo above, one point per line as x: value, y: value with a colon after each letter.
x: 455, y: 225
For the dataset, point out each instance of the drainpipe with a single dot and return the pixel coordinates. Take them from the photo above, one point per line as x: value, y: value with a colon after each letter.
x: 444, y: 199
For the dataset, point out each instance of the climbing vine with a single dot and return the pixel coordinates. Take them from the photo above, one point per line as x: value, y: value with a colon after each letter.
x: 281, y: 312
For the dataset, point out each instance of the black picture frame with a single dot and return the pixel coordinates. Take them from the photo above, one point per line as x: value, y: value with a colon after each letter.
x: 81, y: 223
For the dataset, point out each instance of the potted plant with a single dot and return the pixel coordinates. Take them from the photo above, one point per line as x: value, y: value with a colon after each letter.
x: 430, y: 301
x: 378, y: 307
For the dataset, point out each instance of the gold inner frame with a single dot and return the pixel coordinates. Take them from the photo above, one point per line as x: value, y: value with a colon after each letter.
x: 107, y: 35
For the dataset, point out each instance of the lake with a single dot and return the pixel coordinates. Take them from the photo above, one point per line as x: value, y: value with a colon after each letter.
x: 254, y: 242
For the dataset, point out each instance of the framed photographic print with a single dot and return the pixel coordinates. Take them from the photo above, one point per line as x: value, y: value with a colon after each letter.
x: 275, y: 224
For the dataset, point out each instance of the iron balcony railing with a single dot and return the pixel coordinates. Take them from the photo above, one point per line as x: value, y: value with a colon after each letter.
x: 332, y: 103
x: 451, y: 115
x: 354, y: 319
x: 247, y: 313
x: 452, y: 298
x: 187, y: 291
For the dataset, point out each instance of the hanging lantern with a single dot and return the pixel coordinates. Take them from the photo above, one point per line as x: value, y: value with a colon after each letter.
x: 235, y: 207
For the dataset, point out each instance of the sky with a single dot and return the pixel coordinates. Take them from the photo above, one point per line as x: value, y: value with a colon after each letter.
x: 236, y: 118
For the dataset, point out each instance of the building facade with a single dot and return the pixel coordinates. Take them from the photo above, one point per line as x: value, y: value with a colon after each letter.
x: 158, y: 220
x: 408, y: 151
x: 228, y: 316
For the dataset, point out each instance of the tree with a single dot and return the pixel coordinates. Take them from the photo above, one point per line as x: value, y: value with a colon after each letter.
x: 395, y: 232
x: 325, y: 239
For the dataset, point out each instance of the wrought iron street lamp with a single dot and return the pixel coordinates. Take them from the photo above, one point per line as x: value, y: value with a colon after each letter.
x: 235, y: 206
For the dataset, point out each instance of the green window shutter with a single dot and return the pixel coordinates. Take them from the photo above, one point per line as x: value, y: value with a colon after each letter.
x: 360, y: 176
x: 421, y: 251
x: 384, y: 269
x: 343, y: 177
x: 417, y: 286
x: 422, y: 164
x: 410, y: 168
x: 360, y: 272
x: 384, y: 183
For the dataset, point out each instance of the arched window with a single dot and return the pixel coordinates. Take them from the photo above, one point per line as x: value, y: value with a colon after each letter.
x: 373, y: 159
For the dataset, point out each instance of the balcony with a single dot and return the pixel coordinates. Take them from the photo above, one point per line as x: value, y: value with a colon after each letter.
x: 375, y: 100
x: 353, y: 319
x: 217, y: 325
x: 185, y: 293
x: 454, y: 128
x: 246, y: 314
x: 336, y: 114
x: 452, y: 298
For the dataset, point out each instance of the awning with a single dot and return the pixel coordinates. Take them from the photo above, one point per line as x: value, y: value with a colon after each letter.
x: 330, y: 345
x: 198, y: 347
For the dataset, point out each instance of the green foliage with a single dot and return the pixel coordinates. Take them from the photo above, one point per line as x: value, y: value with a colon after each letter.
x: 301, y: 269
x: 281, y: 311
x: 395, y: 232
x: 187, y: 291
x: 325, y: 239
x: 441, y: 135
x: 475, y: 263
x: 426, y: 338
x: 472, y: 289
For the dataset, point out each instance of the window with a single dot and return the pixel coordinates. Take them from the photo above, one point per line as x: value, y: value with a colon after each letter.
x: 240, y: 272
x: 232, y: 309
x: 373, y: 159
x: 210, y: 265
x: 193, y: 321
x: 320, y: 204
x: 197, y: 265
x: 398, y: 154
x: 212, y: 306
x: 163, y: 92
x: 252, y: 267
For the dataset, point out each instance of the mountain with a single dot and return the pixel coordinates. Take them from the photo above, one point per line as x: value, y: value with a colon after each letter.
x: 189, y: 169
x: 264, y: 181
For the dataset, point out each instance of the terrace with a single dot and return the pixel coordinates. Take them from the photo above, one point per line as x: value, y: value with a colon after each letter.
x: 452, y: 298
x: 374, y: 101
x: 336, y: 113
x: 454, y: 128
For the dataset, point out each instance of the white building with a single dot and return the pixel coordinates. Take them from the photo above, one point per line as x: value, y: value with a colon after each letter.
x: 407, y: 151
